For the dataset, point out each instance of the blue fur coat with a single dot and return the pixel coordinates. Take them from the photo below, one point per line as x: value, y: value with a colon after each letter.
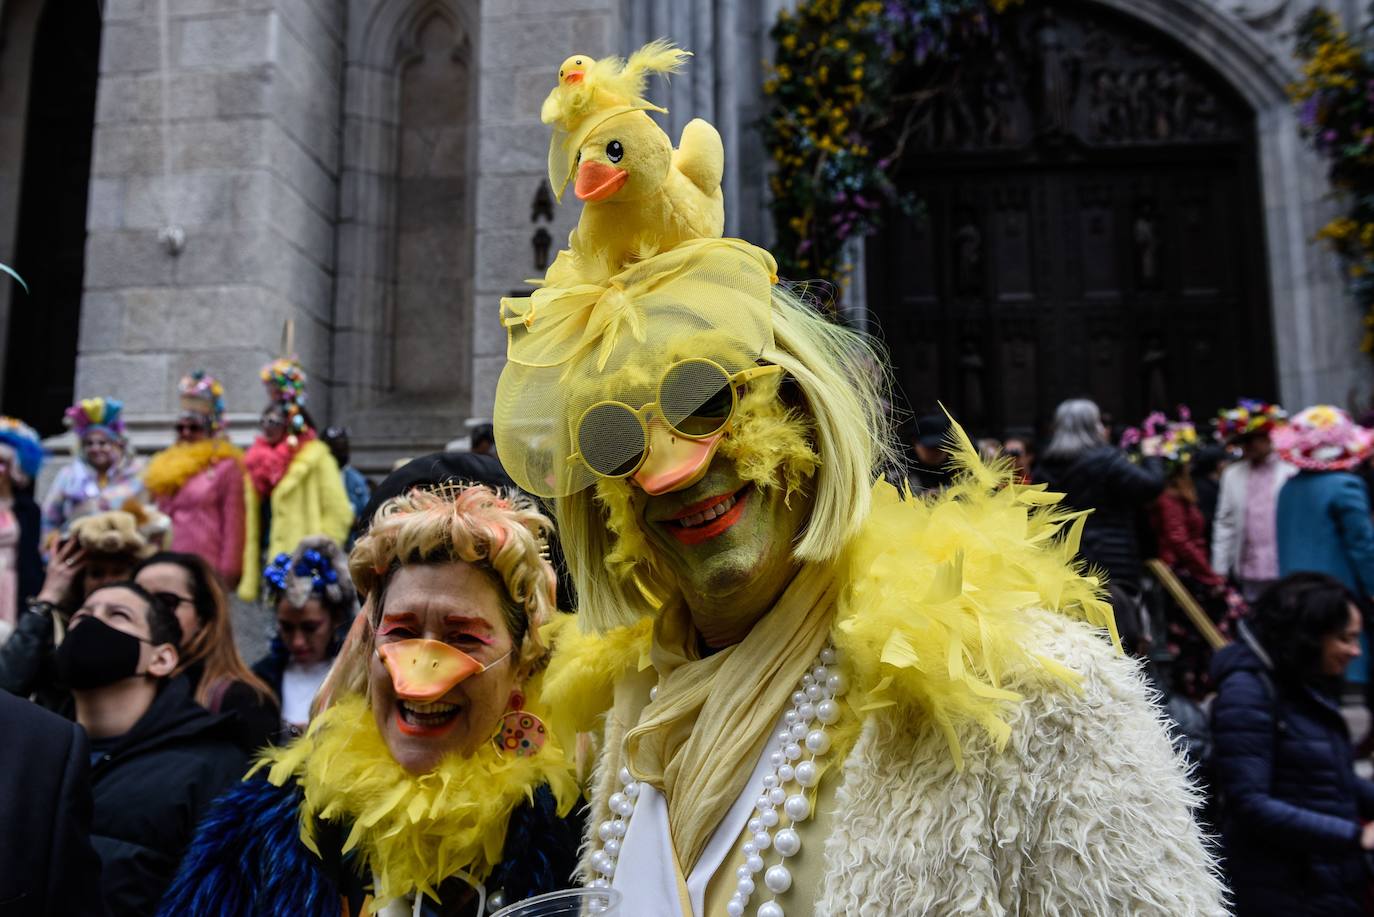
x: 248, y: 861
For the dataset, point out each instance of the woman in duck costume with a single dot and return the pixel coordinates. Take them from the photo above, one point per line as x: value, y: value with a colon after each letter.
x: 426, y: 785
x: 294, y: 488
x: 198, y: 481
x: 103, y: 475
x: 816, y: 694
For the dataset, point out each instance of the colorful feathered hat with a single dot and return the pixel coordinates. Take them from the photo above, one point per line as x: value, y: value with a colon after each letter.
x: 96, y: 415
x: 1247, y: 418
x: 285, y: 380
x: 28, y: 449
x: 202, y: 394
x: 1174, y: 441
x: 1324, y: 438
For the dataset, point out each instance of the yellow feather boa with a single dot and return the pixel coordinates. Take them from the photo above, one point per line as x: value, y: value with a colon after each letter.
x: 931, y: 609
x: 174, y: 466
x: 412, y: 832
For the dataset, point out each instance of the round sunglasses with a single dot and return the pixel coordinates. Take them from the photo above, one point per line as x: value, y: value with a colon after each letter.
x: 696, y: 399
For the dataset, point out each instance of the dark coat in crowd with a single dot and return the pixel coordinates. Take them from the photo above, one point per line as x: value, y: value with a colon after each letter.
x: 256, y: 719
x: 47, y: 864
x: 1116, y: 489
x: 26, y: 663
x: 1292, y: 804
x: 151, y: 788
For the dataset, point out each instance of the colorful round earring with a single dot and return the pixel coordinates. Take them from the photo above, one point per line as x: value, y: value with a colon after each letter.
x: 521, y: 733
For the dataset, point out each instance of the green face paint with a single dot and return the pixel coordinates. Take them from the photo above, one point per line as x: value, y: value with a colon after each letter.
x: 728, y: 543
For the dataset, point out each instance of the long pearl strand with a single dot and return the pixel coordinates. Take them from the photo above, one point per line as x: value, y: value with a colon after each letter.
x: 815, y: 705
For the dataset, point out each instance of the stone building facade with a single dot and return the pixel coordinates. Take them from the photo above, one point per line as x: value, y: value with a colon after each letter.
x: 371, y: 172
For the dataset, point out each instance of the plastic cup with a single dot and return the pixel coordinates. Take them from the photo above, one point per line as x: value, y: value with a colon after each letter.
x: 574, y: 902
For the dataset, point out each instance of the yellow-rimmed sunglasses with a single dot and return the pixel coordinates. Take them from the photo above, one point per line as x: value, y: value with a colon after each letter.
x: 696, y: 398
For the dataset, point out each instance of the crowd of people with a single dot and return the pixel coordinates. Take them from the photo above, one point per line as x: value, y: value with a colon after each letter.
x: 684, y: 635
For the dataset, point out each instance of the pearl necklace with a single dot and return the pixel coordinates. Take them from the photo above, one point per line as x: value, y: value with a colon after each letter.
x: 815, y: 705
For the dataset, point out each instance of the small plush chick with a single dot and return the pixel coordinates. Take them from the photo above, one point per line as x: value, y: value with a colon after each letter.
x: 639, y: 194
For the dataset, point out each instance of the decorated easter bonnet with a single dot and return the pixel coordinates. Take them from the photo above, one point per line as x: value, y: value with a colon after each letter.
x: 609, y: 336
x: 1173, y: 441
x: 285, y: 380
x: 202, y: 395
x: 28, y: 449
x: 1324, y: 438
x: 96, y: 415
x: 1248, y: 418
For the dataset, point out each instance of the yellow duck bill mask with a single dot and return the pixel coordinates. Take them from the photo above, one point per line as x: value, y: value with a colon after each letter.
x: 425, y: 670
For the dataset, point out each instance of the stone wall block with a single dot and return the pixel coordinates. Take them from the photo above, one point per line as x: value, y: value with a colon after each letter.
x: 222, y: 42
x: 370, y: 146
x: 516, y: 148
x: 187, y: 318
x: 368, y: 91
x: 293, y: 163
x: 229, y: 258
x: 217, y: 144
x: 130, y: 46
x: 488, y: 334
x: 126, y: 258
x: 143, y: 381
x: 102, y: 321
x: 553, y: 36
x: 485, y: 373
x: 189, y: 199
x: 504, y: 259
x: 104, y: 204
x: 132, y: 149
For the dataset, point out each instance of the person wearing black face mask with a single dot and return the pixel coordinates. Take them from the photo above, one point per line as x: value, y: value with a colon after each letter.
x: 157, y: 757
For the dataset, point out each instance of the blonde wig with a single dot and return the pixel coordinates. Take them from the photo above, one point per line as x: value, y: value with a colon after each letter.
x: 503, y: 535
x: 843, y: 384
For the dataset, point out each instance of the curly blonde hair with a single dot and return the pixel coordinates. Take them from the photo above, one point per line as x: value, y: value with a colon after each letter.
x: 502, y: 534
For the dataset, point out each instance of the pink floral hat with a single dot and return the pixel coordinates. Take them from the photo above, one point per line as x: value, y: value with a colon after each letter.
x: 1324, y: 438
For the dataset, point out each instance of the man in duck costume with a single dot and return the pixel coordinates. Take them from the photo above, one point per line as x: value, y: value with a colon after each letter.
x: 814, y: 693
x: 293, y: 487
x: 198, y: 480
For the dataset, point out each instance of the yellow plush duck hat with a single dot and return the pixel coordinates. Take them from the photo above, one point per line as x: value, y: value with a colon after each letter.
x: 645, y: 284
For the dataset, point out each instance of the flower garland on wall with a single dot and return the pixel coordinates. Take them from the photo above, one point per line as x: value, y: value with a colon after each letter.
x: 840, y: 112
x: 1335, y: 101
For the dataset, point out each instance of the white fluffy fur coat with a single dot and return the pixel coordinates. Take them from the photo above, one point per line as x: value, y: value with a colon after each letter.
x: 1086, y: 812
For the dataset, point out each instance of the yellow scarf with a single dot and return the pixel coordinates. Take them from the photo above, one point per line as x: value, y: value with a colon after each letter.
x: 697, y: 742
x: 174, y: 466
x: 412, y: 832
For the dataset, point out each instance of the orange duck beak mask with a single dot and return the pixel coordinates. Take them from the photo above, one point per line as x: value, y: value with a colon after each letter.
x: 425, y: 670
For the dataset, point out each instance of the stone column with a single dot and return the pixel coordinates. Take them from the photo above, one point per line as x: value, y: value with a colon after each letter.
x: 522, y: 44
x: 221, y: 119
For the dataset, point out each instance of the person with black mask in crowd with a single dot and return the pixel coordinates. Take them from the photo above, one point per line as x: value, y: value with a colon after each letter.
x: 157, y: 757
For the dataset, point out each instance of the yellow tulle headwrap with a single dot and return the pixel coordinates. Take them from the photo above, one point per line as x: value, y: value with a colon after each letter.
x: 931, y: 610
x: 412, y: 832
x: 572, y: 346
x: 174, y: 466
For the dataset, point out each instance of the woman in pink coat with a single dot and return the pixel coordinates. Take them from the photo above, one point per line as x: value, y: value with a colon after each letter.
x: 198, y: 481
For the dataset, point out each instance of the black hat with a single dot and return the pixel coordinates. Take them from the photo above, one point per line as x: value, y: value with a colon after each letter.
x: 432, y: 469
x: 932, y: 431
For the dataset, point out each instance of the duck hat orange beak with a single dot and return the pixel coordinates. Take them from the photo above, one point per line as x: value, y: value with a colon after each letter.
x: 426, y: 670
x: 597, y: 181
